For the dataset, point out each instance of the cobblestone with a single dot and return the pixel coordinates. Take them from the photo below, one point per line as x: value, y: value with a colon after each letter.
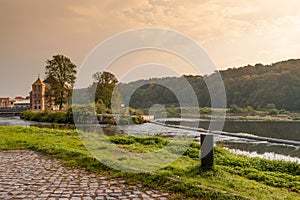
x: 29, y: 175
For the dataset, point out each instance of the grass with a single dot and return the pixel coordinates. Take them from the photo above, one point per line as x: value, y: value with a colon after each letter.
x: 233, y: 177
x: 265, y: 118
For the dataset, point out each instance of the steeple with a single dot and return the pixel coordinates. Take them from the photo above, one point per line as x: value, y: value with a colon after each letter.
x: 38, y: 81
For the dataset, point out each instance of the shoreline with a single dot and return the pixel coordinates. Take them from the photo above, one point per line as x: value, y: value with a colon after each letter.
x: 236, y: 118
x: 222, y: 136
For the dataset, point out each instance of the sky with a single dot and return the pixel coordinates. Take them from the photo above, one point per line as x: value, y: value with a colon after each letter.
x: 233, y: 34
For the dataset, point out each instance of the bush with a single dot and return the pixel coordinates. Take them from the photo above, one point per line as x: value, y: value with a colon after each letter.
x: 137, y: 119
x: 284, y: 112
x: 83, y: 114
x: 126, y: 120
x: 273, y: 111
x: 65, y: 117
x: 270, y: 106
x: 205, y: 110
x: 235, y: 109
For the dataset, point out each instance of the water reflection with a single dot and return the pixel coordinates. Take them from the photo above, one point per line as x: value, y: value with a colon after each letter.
x: 13, y: 121
x: 287, y: 130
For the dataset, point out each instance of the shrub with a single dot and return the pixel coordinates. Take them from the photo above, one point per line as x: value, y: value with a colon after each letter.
x: 65, y: 117
x: 273, y: 111
x: 205, y: 110
x: 235, y: 109
x: 270, y: 106
x: 284, y: 112
x: 137, y: 119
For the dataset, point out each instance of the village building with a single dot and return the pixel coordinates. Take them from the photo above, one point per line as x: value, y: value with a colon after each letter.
x: 7, y: 102
x: 22, y: 104
x: 40, y: 96
x: 19, y: 98
x: 17, y: 102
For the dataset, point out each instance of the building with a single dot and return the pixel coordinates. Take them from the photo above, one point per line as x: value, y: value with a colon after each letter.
x: 17, y: 102
x: 22, y: 104
x: 19, y: 98
x: 40, y: 98
x: 7, y: 102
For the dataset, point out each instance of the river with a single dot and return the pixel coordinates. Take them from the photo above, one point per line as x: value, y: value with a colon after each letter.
x: 281, y: 130
x: 287, y: 130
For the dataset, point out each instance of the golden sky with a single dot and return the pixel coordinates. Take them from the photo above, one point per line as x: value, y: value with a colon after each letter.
x: 233, y: 33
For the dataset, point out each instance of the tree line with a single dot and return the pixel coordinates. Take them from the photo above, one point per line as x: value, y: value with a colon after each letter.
x: 256, y: 86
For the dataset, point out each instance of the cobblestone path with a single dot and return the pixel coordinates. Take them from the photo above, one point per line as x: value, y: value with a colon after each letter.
x: 29, y: 175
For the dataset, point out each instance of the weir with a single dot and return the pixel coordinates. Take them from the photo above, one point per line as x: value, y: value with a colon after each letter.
x: 12, y: 111
x: 243, y: 136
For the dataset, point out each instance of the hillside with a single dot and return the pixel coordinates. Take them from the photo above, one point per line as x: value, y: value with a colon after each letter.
x: 255, y: 86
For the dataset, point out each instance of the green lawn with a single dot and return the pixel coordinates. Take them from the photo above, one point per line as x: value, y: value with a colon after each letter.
x: 234, y: 177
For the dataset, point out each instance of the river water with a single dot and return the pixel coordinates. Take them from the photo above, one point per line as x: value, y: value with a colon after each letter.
x: 287, y: 130
x: 281, y: 130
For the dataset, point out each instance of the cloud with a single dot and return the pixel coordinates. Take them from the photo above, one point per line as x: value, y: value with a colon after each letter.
x: 233, y: 32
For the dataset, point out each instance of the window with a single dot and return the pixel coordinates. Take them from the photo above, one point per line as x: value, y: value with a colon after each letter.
x: 39, y: 107
x: 35, y: 107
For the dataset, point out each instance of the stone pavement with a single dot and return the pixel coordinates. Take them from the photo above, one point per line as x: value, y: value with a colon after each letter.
x: 29, y: 175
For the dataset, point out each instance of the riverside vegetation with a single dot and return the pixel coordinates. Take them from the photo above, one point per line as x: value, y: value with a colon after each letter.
x: 255, y: 86
x: 84, y: 113
x: 232, y: 113
x: 233, y: 177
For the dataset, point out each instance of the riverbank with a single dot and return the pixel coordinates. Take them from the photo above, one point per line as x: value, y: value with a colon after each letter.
x: 234, y: 117
x: 234, y: 177
x: 233, y: 113
x: 268, y: 129
x: 66, y: 117
x: 261, y: 118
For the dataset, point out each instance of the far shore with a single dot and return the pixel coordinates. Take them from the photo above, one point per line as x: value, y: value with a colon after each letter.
x: 280, y: 118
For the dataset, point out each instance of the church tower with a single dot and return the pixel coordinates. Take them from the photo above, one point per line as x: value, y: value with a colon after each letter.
x: 37, y: 95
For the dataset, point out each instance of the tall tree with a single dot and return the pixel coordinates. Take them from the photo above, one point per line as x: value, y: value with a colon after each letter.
x: 106, y: 83
x: 63, y: 72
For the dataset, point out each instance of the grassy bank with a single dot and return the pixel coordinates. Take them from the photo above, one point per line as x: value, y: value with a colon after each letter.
x: 234, y: 177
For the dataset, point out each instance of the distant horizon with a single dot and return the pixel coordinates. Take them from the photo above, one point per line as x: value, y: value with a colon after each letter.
x: 16, y: 95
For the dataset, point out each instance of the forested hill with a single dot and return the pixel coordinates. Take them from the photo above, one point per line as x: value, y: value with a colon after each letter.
x: 255, y: 86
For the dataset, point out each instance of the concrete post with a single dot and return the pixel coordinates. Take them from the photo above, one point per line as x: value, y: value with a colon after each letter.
x: 207, y: 151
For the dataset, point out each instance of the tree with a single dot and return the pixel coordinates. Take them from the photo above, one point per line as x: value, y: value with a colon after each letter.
x: 106, y: 83
x: 62, y: 72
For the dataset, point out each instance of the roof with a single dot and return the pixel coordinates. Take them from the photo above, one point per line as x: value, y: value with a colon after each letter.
x: 38, y: 82
x: 19, y: 98
x: 6, y: 98
x: 50, y: 80
x: 22, y: 102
